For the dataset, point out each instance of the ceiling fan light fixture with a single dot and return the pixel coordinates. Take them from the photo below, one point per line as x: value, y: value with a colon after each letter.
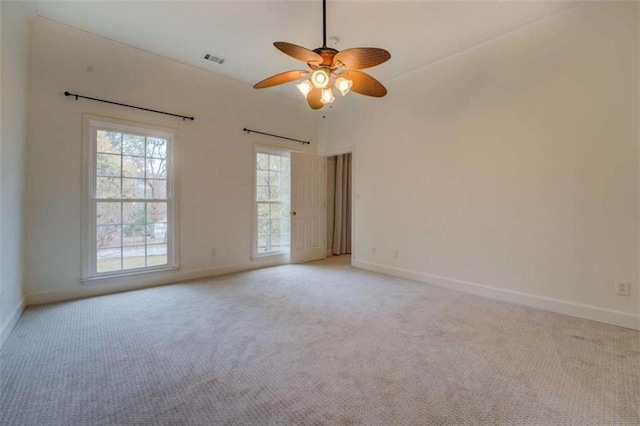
x: 320, y: 78
x: 330, y: 67
x: 327, y: 96
x: 305, y: 87
x: 344, y: 85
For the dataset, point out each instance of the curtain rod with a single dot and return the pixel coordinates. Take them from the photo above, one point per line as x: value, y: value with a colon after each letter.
x: 276, y: 136
x: 184, y: 117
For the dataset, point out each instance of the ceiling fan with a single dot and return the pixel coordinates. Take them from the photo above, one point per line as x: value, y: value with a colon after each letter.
x: 330, y: 68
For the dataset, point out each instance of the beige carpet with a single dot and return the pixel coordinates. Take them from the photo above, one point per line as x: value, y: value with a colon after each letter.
x: 320, y: 343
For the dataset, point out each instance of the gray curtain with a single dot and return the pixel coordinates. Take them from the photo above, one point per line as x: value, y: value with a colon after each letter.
x: 342, y: 206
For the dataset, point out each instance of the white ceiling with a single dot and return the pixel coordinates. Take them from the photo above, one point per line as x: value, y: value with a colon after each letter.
x: 242, y: 32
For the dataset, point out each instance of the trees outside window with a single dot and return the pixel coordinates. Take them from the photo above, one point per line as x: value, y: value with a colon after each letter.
x: 272, y: 202
x: 131, y: 199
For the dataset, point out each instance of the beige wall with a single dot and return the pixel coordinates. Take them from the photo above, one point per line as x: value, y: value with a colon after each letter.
x: 215, y: 156
x: 510, y: 170
x: 15, y: 70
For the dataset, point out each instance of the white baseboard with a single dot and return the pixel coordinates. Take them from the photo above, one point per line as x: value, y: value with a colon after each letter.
x: 83, y: 291
x: 622, y: 319
x: 11, y: 322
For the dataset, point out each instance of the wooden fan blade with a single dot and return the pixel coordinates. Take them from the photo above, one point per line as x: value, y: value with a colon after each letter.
x: 360, y: 57
x: 364, y: 84
x: 300, y: 53
x: 283, y: 77
x: 314, y: 98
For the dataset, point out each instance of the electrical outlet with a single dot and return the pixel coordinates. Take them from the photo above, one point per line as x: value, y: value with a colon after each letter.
x: 373, y: 249
x: 623, y: 288
x: 394, y: 254
x: 213, y: 252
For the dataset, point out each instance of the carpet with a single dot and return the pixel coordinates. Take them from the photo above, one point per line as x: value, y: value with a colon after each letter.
x: 319, y: 343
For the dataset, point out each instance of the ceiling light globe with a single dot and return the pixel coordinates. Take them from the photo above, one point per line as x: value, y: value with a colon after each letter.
x: 327, y: 96
x: 320, y: 78
x: 305, y: 87
x: 343, y: 85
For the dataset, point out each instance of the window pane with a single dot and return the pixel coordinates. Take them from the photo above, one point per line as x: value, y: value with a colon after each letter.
x: 156, y: 168
x: 262, y: 243
x: 156, y: 148
x: 127, y: 235
x: 274, y: 193
x: 263, y: 211
x: 108, y: 260
x: 133, y: 145
x: 132, y: 166
x: 107, y: 165
x: 108, y: 213
x: 285, y: 225
x: 276, y: 211
x: 274, y: 179
x: 108, y: 236
x: 133, y: 188
x: 133, y: 213
x: 286, y: 166
x: 263, y: 227
x: 133, y: 235
x: 107, y: 187
x: 262, y: 161
x: 262, y: 193
x: 108, y: 142
x: 275, y: 242
x: 157, y: 233
x: 156, y: 189
x: 274, y: 162
x: 156, y: 212
x: 133, y: 257
x: 157, y: 255
x: 262, y: 177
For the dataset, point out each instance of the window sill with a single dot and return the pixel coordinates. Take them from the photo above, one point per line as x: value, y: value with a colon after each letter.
x: 124, y: 276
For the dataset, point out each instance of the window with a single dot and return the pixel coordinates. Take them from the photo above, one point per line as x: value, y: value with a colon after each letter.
x: 129, y: 199
x: 272, y: 197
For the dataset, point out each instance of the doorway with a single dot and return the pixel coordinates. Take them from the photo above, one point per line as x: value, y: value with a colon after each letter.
x: 290, y: 216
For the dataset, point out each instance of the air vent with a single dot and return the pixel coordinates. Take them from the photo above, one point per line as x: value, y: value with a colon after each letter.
x: 213, y: 58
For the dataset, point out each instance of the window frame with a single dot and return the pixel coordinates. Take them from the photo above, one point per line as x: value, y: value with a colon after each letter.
x: 255, y: 254
x: 91, y: 125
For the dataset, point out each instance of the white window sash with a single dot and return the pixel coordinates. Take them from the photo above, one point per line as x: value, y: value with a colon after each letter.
x: 91, y: 125
x: 269, y: 151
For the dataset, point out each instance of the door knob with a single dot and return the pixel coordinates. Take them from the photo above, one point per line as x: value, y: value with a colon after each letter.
x: 293, y: 213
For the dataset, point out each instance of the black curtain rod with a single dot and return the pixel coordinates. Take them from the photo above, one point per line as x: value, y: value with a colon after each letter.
x: 184, y: 117
x: 276, y: 136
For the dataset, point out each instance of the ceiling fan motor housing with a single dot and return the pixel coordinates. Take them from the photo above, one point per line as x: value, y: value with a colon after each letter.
x: 327, y: 54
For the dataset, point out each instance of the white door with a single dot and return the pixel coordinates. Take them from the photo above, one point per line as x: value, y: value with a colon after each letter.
x: 308, y: 207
